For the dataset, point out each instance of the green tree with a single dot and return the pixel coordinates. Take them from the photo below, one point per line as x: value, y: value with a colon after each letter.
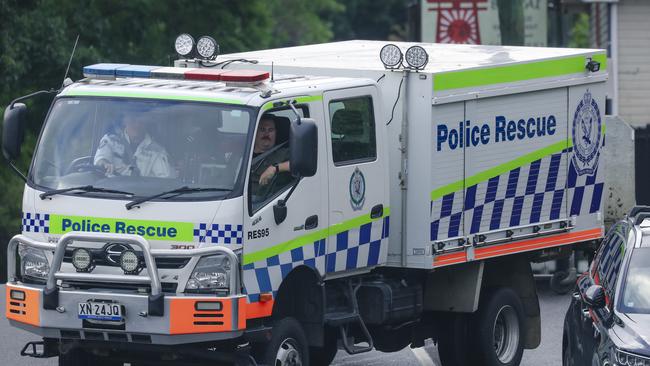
x: 371, y: 19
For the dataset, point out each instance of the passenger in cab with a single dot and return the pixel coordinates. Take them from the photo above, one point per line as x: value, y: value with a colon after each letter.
x: 131, y: 151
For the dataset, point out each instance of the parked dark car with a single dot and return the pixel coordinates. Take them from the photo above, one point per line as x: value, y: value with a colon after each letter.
x: 608, y: 321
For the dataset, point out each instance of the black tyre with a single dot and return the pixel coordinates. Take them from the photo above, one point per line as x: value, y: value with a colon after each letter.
x: 500, y: 329
x: 323, y: 356
x: 288, y: 345
x: 391, y: 340
x: 567, y: 349
x: 74, y: 357
x: 454, y: 333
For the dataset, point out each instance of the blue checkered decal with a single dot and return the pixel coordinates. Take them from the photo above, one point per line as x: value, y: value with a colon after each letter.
x: 517, y: 198
x: 36, y: 223
x: 355, y: 248
x: 219, y: 233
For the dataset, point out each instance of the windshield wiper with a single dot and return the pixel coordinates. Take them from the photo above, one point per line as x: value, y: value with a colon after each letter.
x: 174, y: 193
x: 83, y: 189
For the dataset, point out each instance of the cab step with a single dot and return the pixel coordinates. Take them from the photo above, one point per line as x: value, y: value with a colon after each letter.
x: 343, y: 319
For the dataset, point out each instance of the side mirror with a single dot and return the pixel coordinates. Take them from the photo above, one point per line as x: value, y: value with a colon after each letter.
x: 13, y: 130
x: 594, y: 297
x: 303, y: 148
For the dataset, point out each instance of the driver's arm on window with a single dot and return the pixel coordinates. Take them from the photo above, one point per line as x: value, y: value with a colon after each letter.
x: 269, y: 172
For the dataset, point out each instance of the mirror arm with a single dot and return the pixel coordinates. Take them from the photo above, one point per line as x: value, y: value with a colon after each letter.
x: 280, y: 208
x: 17, y: 171
x: 28, y: 96
x: 295, y: 111
x: 293, y: 188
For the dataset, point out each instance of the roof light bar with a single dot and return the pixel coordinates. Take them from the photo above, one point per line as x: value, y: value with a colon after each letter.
x: 101, y: 71
x: 246, y: 76
x: 205, y: 74
x: 111, y: 71
x: 137, y: 71
x: 169, y: 73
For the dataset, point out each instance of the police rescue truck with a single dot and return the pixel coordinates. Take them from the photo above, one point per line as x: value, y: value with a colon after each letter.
x: 424, y: 179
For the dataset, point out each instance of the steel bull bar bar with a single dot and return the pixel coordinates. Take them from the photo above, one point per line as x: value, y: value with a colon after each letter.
x: 156, y: 297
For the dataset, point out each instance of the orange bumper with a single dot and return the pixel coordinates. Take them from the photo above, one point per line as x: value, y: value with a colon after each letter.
x: 206, y: 315
x: 23, y: 305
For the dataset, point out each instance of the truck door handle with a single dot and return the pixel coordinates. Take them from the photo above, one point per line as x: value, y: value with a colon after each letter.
x: 377, y: 211
x: 311, y: 222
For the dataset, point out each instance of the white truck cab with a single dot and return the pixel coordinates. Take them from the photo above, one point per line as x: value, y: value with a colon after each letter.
x: 305, y: 197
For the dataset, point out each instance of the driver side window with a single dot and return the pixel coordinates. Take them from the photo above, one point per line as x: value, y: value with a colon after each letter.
x: 270, y: 172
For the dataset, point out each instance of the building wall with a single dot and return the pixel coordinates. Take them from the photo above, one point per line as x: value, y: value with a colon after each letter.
x: 634, y: 61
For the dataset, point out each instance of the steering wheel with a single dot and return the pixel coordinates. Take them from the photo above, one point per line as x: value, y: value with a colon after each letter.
x: 84, y: 164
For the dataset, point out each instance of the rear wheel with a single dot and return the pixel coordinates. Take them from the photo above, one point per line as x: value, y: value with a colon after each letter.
x: 453, y: 335
x: 500, y: 330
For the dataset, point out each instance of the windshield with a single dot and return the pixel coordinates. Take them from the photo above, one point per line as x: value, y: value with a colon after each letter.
x: 636, y: 288
x: 142, y: 147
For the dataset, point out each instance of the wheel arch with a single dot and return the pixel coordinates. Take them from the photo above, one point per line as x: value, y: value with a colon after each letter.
x: 301, y: 296
x: 515, y: 273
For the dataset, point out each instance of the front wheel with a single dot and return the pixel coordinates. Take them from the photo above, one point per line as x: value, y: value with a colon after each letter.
x: 74, y: 357
x: 500, y: 330
x: 288, y: 345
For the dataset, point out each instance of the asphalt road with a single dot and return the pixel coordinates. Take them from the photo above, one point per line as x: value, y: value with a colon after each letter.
x: 553, y: 308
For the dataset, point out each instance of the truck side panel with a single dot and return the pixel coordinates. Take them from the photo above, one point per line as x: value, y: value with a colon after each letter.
x: 516, y: 173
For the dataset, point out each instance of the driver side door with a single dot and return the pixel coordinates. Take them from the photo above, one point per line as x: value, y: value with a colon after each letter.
x: 272, y: 250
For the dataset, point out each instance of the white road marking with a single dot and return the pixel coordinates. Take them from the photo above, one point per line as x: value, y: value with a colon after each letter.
x: 423, y: 356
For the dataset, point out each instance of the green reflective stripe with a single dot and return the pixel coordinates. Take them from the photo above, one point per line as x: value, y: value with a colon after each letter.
x: 149, y: 95
x: 513, y: 73
x: 310, y: 238
x: 500, y: 169
x: 307, y: 99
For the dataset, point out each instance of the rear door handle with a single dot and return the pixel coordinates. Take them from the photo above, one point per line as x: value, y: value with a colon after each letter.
x: 377, y: 211
x: 311, y: 222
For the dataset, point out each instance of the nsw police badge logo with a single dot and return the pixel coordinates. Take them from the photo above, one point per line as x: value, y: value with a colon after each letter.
x: 357, y: 189
x: 586, y: 135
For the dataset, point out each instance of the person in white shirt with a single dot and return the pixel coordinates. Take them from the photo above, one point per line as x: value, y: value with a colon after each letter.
x: 132, y: 152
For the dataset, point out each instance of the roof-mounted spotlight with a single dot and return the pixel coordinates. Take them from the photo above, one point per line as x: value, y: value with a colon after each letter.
x: 391, y: 56
x: 184, y: 45
x: 207, y: 48
x: 416, y: 57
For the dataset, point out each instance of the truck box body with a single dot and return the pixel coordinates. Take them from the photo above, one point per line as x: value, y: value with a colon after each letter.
x: 490, y: 167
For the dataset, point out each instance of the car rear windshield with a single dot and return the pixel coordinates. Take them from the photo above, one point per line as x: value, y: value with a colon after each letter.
x: 636, y: 288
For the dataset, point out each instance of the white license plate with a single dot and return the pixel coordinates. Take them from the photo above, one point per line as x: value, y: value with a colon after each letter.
x: 100, y: 311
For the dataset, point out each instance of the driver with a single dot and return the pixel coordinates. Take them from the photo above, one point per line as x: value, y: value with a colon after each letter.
x: 132, y: 151
x: 273, y: 164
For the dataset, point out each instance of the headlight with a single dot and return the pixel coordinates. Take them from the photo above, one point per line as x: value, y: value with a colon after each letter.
x: 210, y: 274
x: 627, y: 359
x: 33, y: 264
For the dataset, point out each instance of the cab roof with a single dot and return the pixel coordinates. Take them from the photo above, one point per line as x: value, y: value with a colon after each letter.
x: 205, y: 91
